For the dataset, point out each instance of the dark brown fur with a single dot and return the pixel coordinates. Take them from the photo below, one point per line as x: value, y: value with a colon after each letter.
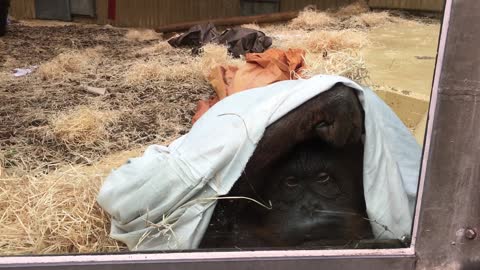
x: 316, y: 196
x: 334, y: 117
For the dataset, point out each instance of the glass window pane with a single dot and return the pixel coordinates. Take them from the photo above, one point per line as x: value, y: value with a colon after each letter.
x: 295, y: 131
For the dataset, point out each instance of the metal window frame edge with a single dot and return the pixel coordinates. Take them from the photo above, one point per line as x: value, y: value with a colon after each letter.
x: 301, y: 259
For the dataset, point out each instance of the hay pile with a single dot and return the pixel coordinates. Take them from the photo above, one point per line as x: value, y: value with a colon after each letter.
x: 69, y: 63
x: 311, y: 19
x: 353, y: 16
x: 371, y: 19
x: 252, y: 26
x: 332, y: 39
x: 356, y: 8
x: 142, y: 35
x: 189, y: 70
x: 213, y: 55
x: 83, y: 125
x: 48, y: 214
x: 334, y: 52
x: 56, y: 213
x: 349, y: 64
x: 161, y: 47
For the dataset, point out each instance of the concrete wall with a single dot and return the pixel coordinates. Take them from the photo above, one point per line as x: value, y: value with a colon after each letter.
x: 293, y: 5
x: 22, y: 8
x: 419, y: 5
x: 155, y: 13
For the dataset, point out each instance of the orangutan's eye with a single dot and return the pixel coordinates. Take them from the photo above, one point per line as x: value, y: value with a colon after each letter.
x: 322, y: 128
x: 323, y: 178
x: 291, y: 182
x: 326, y: 186
x: 321, y: 125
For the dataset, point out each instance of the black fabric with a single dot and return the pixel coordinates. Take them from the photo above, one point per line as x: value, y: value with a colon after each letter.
x: 238, y: 40
x: 196, y: 36
x: 4, y: 4
x: 241, y: 40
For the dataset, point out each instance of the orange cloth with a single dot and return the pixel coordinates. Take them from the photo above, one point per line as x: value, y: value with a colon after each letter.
x: 203, y: 106
x: 260, y: 69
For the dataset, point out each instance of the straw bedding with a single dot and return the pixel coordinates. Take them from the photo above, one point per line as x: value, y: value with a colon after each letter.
x: 58, y: 141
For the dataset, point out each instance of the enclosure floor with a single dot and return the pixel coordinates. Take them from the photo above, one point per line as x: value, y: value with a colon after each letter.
x: 403, y: 57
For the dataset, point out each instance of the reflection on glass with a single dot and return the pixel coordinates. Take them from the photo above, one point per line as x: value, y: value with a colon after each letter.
x: 320, y: 163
